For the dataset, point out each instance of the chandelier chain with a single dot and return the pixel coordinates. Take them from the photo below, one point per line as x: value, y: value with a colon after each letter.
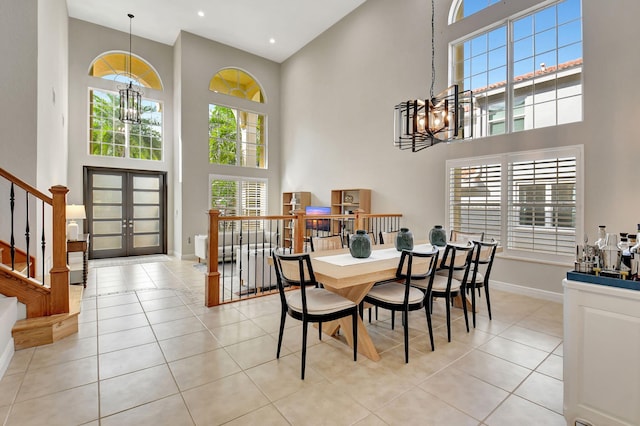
x: 433, y: 49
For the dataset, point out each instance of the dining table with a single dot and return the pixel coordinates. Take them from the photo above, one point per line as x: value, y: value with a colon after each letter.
x: 352, y: 278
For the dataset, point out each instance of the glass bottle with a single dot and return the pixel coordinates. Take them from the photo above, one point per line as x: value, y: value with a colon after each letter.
x: 601, y: 242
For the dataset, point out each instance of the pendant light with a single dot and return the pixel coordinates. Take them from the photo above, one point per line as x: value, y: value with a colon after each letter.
x: 420, y: 124
x: 130, y: 94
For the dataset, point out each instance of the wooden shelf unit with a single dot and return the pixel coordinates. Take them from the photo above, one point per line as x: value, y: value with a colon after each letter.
x: 302, y: 200
x: 345, y: 201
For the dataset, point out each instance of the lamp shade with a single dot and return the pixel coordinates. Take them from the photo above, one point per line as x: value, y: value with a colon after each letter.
x: 75, y: 212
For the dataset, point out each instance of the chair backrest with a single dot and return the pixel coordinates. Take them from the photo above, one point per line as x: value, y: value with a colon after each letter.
x: 294, y: 270
x: 326, y: 243
x: 485, y: 252
x: 465, y: 237
x: 412, y: 260
x: 457, y: 257
x: 419, y: 270
x: 387, y: 237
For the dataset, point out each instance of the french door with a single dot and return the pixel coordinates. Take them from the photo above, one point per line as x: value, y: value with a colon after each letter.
x: 126, y: 212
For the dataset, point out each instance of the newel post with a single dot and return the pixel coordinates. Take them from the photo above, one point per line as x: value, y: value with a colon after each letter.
x: 300, y: 229
x: 359, y: 220
x: 59, y: 303
x: 212, y: 279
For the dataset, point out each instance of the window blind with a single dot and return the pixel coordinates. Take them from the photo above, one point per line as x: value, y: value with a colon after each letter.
x: 528, y: 201
x: 542, y: 205
x: 474, y: 199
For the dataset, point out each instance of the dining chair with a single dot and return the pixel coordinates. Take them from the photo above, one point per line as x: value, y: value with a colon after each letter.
x: 484, y: 253
x: 456, y: 258
x: 402, y: 295
x: 464, y: 237
x: 326, y: 243
x: 310, y: 303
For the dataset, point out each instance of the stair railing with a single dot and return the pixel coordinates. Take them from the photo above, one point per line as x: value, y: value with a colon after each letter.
x: 59, y: 272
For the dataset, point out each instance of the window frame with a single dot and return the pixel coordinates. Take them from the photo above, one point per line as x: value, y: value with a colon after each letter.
x: 239, y: 142
x: 515, y: 114
x: 126, y: 126
x: 506, y: 160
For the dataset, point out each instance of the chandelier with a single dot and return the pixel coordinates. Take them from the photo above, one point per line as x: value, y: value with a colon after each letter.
x: 130, y: 94
x: 420, y: 124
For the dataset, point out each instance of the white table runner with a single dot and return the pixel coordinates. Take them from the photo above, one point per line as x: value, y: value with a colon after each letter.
x: 346, y: 259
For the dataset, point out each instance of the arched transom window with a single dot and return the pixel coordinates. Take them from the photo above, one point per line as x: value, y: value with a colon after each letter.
x: 111, y: 64
x: 464, y: 8
x: 235, y: 82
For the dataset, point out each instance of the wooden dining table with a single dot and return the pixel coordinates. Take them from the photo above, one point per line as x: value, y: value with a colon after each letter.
x: 352, y: 278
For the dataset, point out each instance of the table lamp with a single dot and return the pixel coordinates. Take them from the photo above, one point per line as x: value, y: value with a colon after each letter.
x: 74, y: 212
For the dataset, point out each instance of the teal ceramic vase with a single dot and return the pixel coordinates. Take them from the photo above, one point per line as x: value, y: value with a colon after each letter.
x: 360, y: 244
x: 404, y: 239
x: 438, y: 236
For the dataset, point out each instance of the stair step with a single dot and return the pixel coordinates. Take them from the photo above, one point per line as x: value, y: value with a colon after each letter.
x: 39, y: 331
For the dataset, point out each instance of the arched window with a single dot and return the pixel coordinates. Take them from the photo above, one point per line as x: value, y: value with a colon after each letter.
x: 111, y: 64
x: 237, y: 136
x: 463, y: 8
x: 525, y: 71
x: 108, y: 136
x: 235, y: 82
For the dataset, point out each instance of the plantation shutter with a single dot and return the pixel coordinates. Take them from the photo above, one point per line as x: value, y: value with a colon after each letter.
x: 474, y: 199
x: 542, y: 205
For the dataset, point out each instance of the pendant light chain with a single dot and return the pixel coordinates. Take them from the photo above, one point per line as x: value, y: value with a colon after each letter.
x: 433, y: 49
x: 129, y: 65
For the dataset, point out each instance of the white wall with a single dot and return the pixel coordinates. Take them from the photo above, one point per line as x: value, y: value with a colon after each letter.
x: 18, y: 88
x: 199, y: 59
x: 339, y: 91
x: 86, y: 42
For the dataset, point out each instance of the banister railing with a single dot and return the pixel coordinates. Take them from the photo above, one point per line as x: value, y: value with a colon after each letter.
x: 239, y: 247
x: 24, y: 252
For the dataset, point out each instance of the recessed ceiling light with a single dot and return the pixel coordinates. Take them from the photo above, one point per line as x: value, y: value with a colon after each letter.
x: 200, y: 13
x: 272, y: 40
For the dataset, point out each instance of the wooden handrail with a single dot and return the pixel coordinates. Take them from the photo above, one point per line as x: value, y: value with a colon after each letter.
x: 22, y: 184
x: 212, y: 278
x: 57, y: 297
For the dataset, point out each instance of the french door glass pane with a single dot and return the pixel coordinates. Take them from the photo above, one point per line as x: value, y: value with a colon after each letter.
x: 106, y: 243
x: 146, y: 240
x: 107, y: 181
x: 140, y: 226
x: 107, y: 212
x: 107, y: 227
x: 109, y: 196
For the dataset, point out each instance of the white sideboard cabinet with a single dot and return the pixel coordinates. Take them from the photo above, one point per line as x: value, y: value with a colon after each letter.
x: 601, y: 354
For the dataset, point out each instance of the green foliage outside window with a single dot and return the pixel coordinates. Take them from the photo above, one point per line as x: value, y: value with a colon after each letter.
x: 110, y: 137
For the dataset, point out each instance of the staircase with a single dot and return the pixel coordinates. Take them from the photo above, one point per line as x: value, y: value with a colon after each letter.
x: 51, y: 306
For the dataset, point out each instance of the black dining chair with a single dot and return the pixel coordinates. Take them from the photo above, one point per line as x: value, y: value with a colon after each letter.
x: 485, y: 252
x: 402, y: 296
x: 310, y: 303
x: 455, y: 260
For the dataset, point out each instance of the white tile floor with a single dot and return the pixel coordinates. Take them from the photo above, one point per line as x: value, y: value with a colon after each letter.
x: 149, y: 352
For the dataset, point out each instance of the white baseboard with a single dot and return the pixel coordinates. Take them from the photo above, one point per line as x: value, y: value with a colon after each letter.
x: 5, y: 357
x: 527, y: 291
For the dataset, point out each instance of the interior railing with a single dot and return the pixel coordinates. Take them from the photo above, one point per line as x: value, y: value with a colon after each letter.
x: 24, y: 208
x: 239, y: 247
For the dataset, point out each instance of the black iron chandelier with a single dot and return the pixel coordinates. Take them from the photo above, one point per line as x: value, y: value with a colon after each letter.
x: 130, y: 94
x: 420, y: 124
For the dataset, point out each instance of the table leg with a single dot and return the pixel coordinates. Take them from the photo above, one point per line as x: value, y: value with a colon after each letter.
x: 457, y: 302
x: 365, y: 344
x: 84, y: 268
